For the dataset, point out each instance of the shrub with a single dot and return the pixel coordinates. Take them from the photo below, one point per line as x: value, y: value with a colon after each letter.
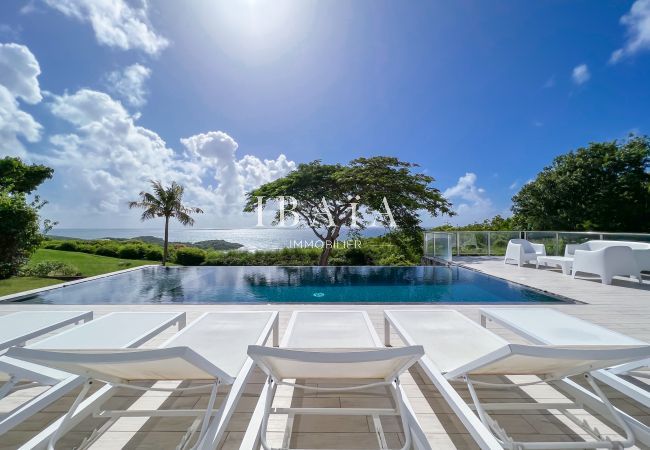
x: 52, y: 269
x: 189, y: 256
x: 131, y: 251
x: 106, y: 250
x: 153, y: 254
x: 68, y: 246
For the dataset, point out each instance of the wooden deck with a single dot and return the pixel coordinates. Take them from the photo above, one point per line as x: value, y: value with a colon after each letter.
x: 624, y: 306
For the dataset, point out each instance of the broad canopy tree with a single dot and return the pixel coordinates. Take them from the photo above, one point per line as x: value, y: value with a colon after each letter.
x: 332, y: 196
x: 603, y: 187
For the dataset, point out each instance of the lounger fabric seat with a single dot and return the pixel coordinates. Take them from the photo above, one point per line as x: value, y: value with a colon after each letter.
x: 549, y: 326
x: 212, y: 348
x: 458, y: 348
x: 114, y: 330
x: 339, y: 345
x: 19, y: 327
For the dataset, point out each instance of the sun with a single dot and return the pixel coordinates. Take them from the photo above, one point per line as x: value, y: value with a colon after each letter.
x: 256, y: 31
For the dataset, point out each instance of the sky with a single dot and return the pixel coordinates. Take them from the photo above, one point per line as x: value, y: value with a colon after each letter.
x: 222, y: 96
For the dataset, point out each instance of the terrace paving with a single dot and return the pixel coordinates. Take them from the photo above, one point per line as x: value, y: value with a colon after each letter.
x: 623, y: 306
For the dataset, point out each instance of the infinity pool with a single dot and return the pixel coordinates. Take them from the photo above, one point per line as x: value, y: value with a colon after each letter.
x: 344, y: 284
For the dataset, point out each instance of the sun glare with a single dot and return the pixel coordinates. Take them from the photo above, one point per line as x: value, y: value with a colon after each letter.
x: 256, y: 31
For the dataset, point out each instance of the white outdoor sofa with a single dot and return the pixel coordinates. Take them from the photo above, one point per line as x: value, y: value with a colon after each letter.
x: 641, y: 250
x: 522, y: 251
x: 606, y: 261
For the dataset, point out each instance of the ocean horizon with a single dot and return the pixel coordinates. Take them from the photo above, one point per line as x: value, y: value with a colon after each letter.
x: 250, y: 238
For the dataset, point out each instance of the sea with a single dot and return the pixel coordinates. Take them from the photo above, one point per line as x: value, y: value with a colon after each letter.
x: 251, y: 238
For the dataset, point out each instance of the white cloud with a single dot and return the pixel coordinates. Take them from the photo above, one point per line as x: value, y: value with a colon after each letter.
x: 474, y: 205
x: 514, y: 185
x: 580, y: 74
x: 216, y: 151
x: 106, y: 159
x: 637, y: 22
x: 15, y: 123
x: 116, y: 23
x: 129, y: 83
x: 19, y: 72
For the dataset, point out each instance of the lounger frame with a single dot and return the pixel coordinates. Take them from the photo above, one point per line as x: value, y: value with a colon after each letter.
x: 503, y: 440
x: 80, y: 316
x: 256, y: 431
x: 211, y: 422
x: 72, y: 382
x: 608, y: 376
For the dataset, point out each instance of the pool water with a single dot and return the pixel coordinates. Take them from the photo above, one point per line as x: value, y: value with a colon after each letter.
x: 279, y: 284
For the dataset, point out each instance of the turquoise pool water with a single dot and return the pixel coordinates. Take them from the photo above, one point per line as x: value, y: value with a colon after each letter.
x: 343, y: 284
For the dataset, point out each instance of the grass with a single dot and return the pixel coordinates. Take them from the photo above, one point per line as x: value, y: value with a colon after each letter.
x: 88, y: 265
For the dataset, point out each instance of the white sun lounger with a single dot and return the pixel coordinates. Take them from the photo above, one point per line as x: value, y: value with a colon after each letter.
x: 213, y: 348
x: 119, y: 329
x: 333, y: 345
x: 549, y: 326
x: 458, y: 348
x: 19, y: 327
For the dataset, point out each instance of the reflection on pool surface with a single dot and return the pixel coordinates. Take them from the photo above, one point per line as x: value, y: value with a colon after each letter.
x: 277, y: 284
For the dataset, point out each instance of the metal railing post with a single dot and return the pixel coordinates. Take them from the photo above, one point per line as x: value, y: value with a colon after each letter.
x: 557, y: 244
x: 489, y: 244
x: 457, y: 243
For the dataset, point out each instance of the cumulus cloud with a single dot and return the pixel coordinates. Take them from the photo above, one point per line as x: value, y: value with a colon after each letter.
x: 637, y: 23
x: 216, y: 152
x: 129, y: 83
x: 116, y: 23
x: 19, y: 72
x: 107, y: 158
x: 470, y: 201
x: 580, y: 74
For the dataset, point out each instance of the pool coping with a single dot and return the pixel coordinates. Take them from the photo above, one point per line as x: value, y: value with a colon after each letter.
x: 32, y: 292
x: 564, y: 298
x: 561, y: 298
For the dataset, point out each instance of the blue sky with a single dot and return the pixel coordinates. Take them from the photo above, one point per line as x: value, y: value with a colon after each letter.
x: 223, y: 96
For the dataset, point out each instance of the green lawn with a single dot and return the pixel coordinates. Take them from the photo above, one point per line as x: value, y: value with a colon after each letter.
x: 89, y: 265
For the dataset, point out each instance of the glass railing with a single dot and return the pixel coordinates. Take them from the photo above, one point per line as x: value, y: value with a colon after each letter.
x: 444, y: 245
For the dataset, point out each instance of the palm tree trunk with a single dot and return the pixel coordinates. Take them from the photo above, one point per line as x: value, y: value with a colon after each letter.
x: 166, y: 243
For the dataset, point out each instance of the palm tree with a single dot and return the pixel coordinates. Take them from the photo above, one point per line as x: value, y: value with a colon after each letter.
x: 165, y: 202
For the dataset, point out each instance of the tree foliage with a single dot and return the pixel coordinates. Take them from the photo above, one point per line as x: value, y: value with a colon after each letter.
x: 19, y: 221
x: 364, y: 181
x: 19, y: 178
x: 165, y: 202
x: 601, y: 187
x: 496, y: 223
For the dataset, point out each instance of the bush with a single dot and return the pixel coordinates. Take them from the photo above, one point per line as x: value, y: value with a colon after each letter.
x: 153, y: 254
x: 19, y: 232
x: 131, y: 251
x: 52, y: 269
x: 189, y: 256
x: 68, y: 246
x: 106, y: 250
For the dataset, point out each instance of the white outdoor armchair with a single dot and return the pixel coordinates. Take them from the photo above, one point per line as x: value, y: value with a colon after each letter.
x: 607, y: 262
x: 522, y: 251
